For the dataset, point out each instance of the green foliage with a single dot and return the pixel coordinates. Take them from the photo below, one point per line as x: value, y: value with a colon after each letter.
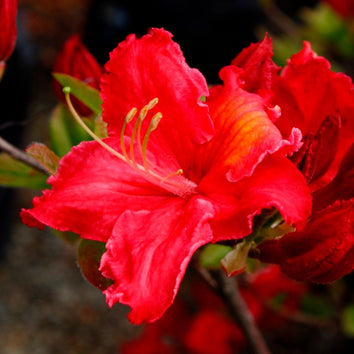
x: 348, y: 320
x: 85, y: 93
x: 317, y: 306
x: 64, y: 131
x: 14, y: 173
x: 89, y: 257
x: 212, y: 254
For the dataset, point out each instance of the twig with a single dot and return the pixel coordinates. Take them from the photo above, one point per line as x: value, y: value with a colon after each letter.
x: 20, y: 155
x: 229, y: 291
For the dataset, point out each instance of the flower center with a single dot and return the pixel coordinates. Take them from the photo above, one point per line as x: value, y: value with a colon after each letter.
x: 173, y: 182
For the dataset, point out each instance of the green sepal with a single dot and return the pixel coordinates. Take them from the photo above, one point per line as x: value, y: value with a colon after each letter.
x: 89, y: 257
x: 212, y: 254
x: 85, y: 93
x: 14, y: 173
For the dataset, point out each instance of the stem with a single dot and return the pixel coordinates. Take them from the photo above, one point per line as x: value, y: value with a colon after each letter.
x: 20, y: 155
x: 229, y: 291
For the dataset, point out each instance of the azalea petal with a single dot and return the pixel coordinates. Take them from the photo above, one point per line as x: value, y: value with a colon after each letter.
x: 341, y: 187
x: 274, y: 183
x: 259, y: 68
x: 307, y: 92
x: 140, y: 70
x: 322, y: 252
x: 90, y: 190
x: 149, y: 251
x: 244, y: 133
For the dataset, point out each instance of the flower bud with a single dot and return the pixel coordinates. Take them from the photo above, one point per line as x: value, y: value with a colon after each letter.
x: 75, y: 60
x: 8, y: 31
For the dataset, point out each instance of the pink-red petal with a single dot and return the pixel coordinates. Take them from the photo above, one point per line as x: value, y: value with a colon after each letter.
x: 149, y: 251
x: 140, y: 70
x: 308, y: 92
x: 275, y: 183
x: 90, y: 190
x: 244, y: 133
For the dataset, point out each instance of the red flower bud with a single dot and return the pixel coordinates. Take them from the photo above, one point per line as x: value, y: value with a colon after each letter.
x: 75, y: 60
x: 8, y: 11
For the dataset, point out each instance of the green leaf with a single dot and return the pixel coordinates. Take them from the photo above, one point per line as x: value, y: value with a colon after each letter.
x: 212, y: 254
x: 348, y: 320
x: 85, y: 93
x: 316, y: 306
x: 89, y: 258
x: 14, y: 173
x: 64, y: 131
x: 46, y: 157
x: 67, y: 236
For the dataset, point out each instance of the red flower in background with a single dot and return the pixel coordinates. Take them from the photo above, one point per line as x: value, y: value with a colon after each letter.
x: 203, y: 326
x: 320, y: 103
x: 75, y: 60
x: 8, y: 30
x: 324, y: 250
x: 344, y: 7
x: 186, y: 173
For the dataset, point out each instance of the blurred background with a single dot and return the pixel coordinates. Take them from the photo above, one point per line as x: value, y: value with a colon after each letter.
x: 45, y: 304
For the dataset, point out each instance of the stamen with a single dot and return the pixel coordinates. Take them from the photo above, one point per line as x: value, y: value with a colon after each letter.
x: 127, y: 120
x: 72, y: 110
x: 149, y: 106
x: 153, y: 125
x: 177, y: 173
x: 152, y: 175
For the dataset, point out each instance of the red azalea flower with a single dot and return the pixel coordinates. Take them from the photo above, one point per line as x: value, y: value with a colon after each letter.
x: 312, y: 98
x: 324, y: 250
x: 344, y: 7
x: 8, y: 30
x: 75, y: 60
x: 267, y: 285
x: 197, y: 175
x: 321, y: 104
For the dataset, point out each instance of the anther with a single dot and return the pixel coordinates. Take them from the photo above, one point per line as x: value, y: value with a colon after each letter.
x: 153, y: 125
x: 128, y: 119
x: 155, y: 120
x: 152, y: 103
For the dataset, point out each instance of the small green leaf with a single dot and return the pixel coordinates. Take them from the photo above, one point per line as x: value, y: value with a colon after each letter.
x: 348, y: 320
x: 64, y: 131
x: 14, y: 173
x: 46, y: 157
x: 212, y: 254
x: 85, y: 93
x: 89, y: 257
